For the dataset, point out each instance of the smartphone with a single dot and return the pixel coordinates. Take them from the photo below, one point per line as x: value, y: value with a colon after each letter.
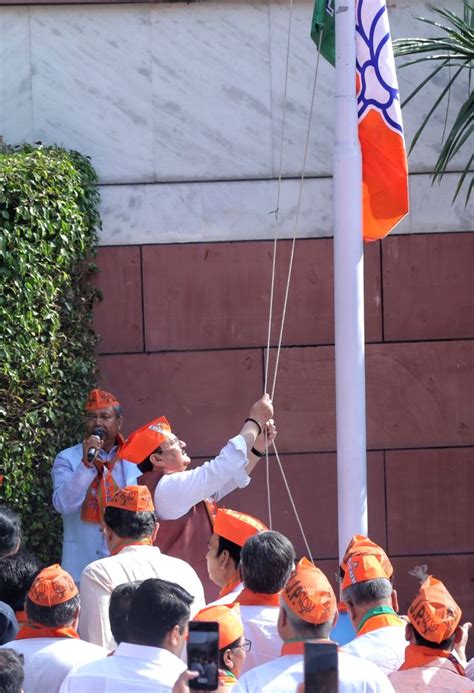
x: 320, y: 667
x: 203, y: 654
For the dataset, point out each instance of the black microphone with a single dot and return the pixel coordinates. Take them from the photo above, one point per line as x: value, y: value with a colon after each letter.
x: 100, y: 433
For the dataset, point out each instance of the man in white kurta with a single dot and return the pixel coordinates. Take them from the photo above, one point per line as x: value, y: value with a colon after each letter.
x: 133, y: 558
x: 380, y: 632
x: 74, y: 480
x: 307, y: 611
x: 157, y: 629
x: 49, y: 641
x: 266, y: 562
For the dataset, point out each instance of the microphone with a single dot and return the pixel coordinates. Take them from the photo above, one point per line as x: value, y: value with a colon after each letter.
x: 100, y: 433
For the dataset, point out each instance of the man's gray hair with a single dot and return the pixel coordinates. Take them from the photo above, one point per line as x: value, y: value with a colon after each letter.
x: 369, y: 591
x: 304, y: 629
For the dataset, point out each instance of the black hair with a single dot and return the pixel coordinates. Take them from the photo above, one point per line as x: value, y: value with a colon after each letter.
x: 53, y: 616
x: 266, y: 562
x: 374, y: 590
x: 11, y: 671
x: 129, y: 525
x: 447, y: 644
x: 17, y: 572
x: 222, y: 664
x: 119, y: 606
x: 157, y: 606
x: 147, y: 464
x: 10, y: 531
x: 234, y: 549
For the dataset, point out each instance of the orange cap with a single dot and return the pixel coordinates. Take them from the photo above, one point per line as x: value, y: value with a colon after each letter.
x: 136, y: 499
x: 361, y: 569
x: 363, y: 546
x: 236, y: 527
x: 228, y: 618
x: 433, y: 613
x: 309, y: 594
x: 52, y: 586
x: 100, y: 399
x: 145, y: 440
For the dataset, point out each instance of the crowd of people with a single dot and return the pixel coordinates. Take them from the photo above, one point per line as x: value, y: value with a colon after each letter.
x: 146, y: 550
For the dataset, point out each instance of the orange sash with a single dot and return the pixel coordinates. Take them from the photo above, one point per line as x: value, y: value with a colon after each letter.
x: 101, y: 490
x: 296, y: 647
x: 231, y: 585
x: 420, y: 656
x: 249, y: 598
x: 36, y: 630
x: 21, y: 617
x: 227, y: 679
x: 146, y: 541
x: 375, y: 621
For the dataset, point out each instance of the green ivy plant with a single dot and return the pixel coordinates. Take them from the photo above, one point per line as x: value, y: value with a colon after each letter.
x: 49, y: 224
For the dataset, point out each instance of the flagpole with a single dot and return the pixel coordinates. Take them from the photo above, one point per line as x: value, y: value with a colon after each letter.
x: 349, y: 289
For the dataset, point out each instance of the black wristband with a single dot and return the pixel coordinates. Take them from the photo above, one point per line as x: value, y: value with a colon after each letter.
x: 256, y: 423
x: 257, y: 453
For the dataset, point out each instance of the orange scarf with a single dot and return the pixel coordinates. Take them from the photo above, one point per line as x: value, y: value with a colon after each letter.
x: 373, y: 620
x: 36, y: 630
x: 420, y: 656
x: 146, y: 541
x: 296, y: 647
x: 101, y: 490
x: 227, y: 679
x: 249, y: 598
x: 231, y: 585
x: 21, y: 617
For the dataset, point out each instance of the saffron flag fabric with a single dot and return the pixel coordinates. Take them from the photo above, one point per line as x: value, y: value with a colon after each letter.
x: 384, y: 160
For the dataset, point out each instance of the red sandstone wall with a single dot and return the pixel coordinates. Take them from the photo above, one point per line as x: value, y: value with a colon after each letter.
x: 183, y: 332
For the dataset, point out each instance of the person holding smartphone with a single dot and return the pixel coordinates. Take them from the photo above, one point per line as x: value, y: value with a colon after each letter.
x: 308, y: 609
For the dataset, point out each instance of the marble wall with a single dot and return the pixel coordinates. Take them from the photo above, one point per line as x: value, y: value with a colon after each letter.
x: 180, y: 107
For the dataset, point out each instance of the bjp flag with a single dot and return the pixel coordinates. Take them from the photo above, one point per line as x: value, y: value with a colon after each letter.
x: 384, y: 160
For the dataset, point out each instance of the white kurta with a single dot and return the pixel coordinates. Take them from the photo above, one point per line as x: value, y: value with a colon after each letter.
x: 49, y: 660
x: 440, y: 676
x: 138, y: 562
x: 83, y: 542
x: 177, y: 493
x: 260, y: 627
x: 384, y: 646
x: 230, y: 597
x: 283, y: 674
x: 132, y: 668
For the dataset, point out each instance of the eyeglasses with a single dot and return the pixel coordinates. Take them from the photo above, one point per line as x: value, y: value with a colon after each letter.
x: 246, y: 646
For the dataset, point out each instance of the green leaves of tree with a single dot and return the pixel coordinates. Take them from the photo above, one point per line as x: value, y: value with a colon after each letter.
x: 49, y: 223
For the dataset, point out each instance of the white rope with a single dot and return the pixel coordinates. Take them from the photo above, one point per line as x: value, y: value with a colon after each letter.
x: 309, y: 556
x: 269, y: 504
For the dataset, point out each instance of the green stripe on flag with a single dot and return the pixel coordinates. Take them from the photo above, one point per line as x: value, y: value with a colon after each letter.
x: 323, y: 28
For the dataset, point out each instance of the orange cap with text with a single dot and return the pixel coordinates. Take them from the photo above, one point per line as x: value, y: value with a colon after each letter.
x: 228, y: 618
x: 52, y: 586
x: 433, y: 613
x: 363, y: 546
x: 145, y: 440
x: 361, y: 569
x: 136, y: 499
x: 309, y: 594
x: 236, y: 527
x: 100, y: 399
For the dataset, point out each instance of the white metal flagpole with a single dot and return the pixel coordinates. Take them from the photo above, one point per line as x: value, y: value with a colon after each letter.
x: 349, y: 289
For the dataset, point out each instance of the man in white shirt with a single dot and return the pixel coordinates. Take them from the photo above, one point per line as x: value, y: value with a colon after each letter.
x: 266, y: 562
x: 85, y: 476
x: 231, y: 531
x: 185, y: 499
x: 380, y: 632
x: 150, y: 660
x: 129, y: 528
x: 49, y: 641
x: 308, y: 609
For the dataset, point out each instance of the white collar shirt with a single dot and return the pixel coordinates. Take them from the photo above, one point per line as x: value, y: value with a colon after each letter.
x: 260, y: 627
x: 131, y: 669
x: 439, y: 676
x: 384, y: 646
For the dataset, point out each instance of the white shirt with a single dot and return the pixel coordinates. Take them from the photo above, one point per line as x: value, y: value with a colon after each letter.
x: 132, y: 668
x: 229, y: 598
x: 260, y: 627
x: 177, y: 493
x: 283, y: 674
x: 136, y: 562
x: 384, y: 646
x: 438, y: 676
x: 49, y: 660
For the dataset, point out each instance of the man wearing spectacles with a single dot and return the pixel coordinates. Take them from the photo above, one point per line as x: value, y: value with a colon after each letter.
x: 85, y: 477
